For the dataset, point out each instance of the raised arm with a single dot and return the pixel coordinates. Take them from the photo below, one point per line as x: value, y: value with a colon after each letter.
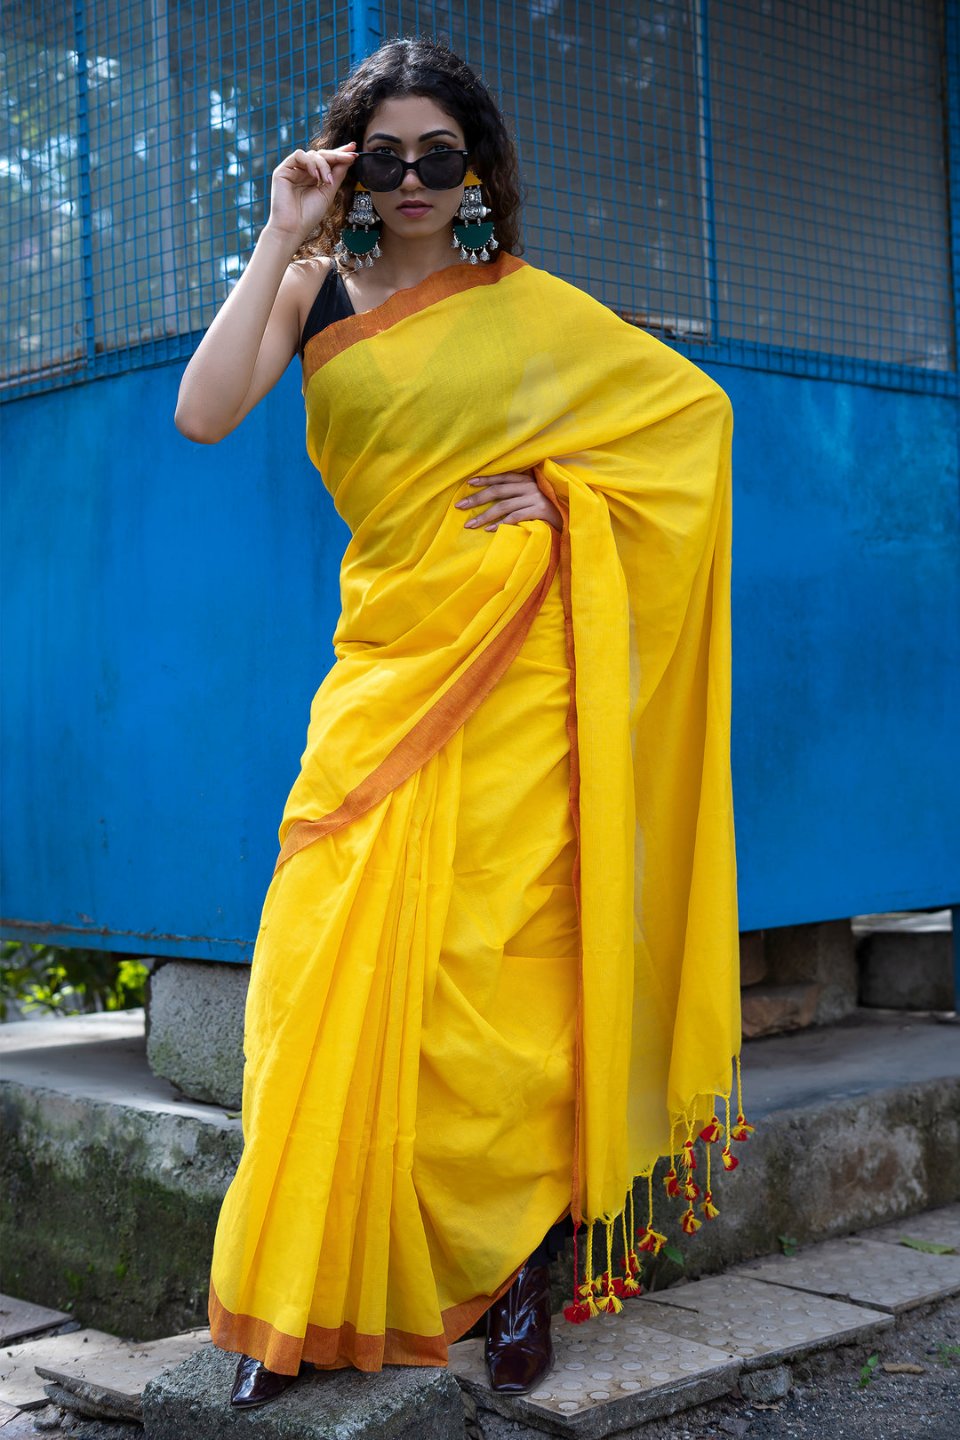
x: 255, y: 333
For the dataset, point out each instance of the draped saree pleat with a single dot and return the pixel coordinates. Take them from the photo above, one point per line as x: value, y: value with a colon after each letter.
x: 496, y: 972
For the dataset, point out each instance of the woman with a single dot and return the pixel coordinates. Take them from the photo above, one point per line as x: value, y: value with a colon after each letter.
x: 496, y: 972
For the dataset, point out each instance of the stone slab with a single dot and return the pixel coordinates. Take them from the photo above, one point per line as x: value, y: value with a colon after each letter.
x: 941, y: 1226
x: 91, y: 1355
x: 401, y: 1402
x: 761, y: 1324
x: 7, y: 1413
x: 610, y: 1374
x: 18, y: 1318
x: 868, y: 1272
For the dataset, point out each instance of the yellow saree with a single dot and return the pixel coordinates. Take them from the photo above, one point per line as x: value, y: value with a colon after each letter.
x: 496, y: 976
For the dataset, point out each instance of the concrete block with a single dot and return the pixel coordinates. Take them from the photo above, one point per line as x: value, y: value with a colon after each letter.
x: 113, y: 1185
x: 941, y: 1227
x: 398, y: 1403
x: 195, y: 1012
x: 823, y: 954
x: 868, y: 1272
x: 904, y: 970
x: 89, y: 1355
x: 753, y: 960
x: 609, y: 1375
x: 18, y: 1319
x: 776, y: 1009
x: 766, y: 1387
x: 760, y: 1324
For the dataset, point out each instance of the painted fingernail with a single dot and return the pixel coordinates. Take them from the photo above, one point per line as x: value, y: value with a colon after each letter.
x: 475, y: 481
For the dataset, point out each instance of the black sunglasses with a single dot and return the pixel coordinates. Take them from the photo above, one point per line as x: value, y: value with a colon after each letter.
x: 437, y: 170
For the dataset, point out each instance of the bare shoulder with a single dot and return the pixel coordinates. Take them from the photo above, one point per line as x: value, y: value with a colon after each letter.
x: 298, y: 289
x: 303, y: 279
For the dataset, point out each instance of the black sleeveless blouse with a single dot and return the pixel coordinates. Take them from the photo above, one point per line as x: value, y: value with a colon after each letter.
x: 332, y: 303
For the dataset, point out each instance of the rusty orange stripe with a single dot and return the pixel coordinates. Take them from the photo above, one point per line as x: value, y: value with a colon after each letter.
x: 339, y: 335
x: 576, y: 1206
x: 334, y: 1349
x: 433, y: 729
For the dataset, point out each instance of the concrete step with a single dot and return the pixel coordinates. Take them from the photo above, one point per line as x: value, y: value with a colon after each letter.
x: 857, y: 1124
x: 82, y: 1363
x: 696, y: 1341
x: 664, y: 1353
x: 403, y: 1403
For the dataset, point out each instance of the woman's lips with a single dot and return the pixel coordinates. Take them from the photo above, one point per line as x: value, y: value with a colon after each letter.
x: 414, y: 209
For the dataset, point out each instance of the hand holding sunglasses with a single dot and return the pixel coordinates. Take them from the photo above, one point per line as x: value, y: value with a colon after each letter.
x: 303, y: 187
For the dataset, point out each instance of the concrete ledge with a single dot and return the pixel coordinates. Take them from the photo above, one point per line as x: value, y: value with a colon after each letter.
x: 115, y: 1182
x: 113, y: 1185
x: 401, y: 1403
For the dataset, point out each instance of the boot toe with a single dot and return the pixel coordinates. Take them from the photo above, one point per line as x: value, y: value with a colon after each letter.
x: 254, y: 1384
x: 518, y: 1368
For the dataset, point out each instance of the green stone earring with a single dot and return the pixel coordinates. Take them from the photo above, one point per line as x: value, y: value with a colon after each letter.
x: 471, y: 232
x: 359, y: 242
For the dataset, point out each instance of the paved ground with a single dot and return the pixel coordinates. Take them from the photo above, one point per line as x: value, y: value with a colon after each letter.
x: 827, y: 1401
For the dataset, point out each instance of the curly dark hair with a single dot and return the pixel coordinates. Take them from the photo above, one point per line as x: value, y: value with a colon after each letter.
x: 421, y: 65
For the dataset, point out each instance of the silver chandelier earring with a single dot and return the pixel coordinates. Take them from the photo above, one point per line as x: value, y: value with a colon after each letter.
x: 471, y: 232
x: 359, y: 240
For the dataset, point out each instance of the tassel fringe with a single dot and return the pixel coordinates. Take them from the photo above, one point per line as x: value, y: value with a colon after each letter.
x: 606, y: 1292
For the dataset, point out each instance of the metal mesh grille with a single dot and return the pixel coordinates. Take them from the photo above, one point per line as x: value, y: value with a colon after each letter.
x: 760, y: 183
x: 136, y: 150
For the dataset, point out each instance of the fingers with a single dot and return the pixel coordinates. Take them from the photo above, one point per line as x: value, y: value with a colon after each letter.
x: 511, y: 483
x: 316, y: 167
x: 511, y: 510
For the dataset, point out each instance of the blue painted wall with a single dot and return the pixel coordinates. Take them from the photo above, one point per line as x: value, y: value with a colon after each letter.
x: 168, y: 609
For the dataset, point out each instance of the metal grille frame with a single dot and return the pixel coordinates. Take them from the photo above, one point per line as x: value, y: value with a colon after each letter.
x: 98, y: 306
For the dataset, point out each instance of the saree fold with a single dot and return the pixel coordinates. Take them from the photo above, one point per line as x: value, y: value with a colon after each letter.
x: 496, y: 976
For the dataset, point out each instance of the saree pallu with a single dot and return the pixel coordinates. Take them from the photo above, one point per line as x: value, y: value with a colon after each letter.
x: 496, y: 976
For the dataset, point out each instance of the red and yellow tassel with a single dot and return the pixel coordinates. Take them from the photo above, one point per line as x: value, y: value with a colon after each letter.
x: 584, y: 1307
x: 708, y: 1210
x: 689, y: 1223
x: 740, y: 1129
x: 672, y: 1185
x: 631, y: 1265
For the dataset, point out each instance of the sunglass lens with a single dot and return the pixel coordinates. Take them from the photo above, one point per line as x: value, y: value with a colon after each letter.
x: 378, y: 172
x: 442, y: 171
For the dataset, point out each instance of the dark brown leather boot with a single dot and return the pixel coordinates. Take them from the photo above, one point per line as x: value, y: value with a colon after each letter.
x: 255, y: 1384
x: 518, y: 1348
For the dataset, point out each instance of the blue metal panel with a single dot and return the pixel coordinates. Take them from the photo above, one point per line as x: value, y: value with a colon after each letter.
x: 167, y: 617
x: 168, y: 610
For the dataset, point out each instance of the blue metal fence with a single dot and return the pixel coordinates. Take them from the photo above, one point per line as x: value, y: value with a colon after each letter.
x: 769, y: 186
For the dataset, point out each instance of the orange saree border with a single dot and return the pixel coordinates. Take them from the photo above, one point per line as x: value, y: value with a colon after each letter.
x: 566, y: 591
x: 433, y: 729
x: 340, y: 334
x: 335, y: 1349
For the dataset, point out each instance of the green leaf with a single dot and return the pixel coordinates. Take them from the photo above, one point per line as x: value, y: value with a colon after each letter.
x: 788, y: 1244
x: 672, y: 1253
x: 929, y: 1247
x: 867, y: 1373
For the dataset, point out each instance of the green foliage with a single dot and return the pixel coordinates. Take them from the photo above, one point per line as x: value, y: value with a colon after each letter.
x: 947, y: 1354
x: 788, y: 1244
x: 868, y: 1371
x: 48, y: 980
x: 929, y: 1247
